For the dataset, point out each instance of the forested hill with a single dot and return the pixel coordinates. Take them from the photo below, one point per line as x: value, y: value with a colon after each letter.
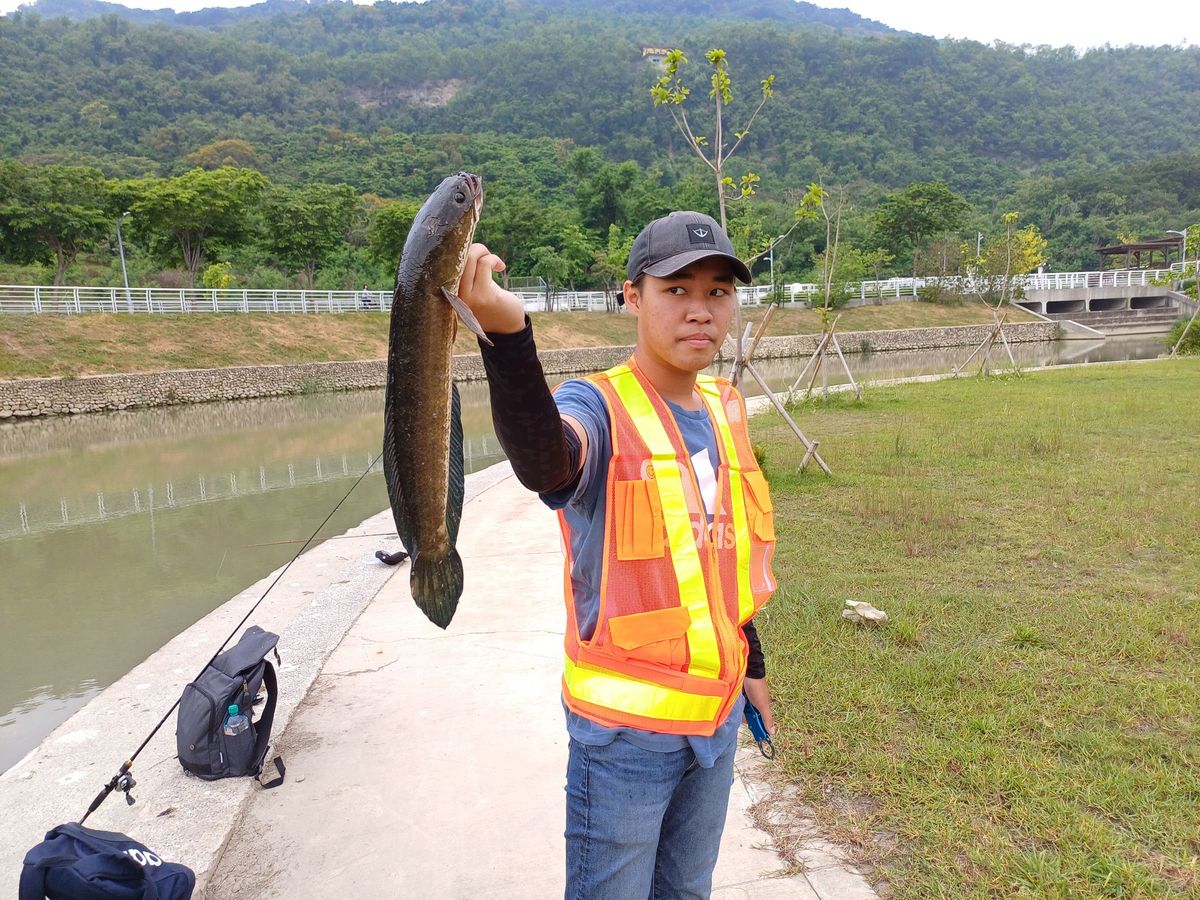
x: 389, y: 98
x: 333, y: 83
x: 788, y: 11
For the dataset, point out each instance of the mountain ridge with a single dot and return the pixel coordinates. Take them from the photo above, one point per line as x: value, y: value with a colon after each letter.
x: 842, y: 20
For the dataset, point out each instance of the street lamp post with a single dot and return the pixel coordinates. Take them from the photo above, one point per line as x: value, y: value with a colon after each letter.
x: 124, y: 273
x: 771, y: 258
x: 1183, y: 248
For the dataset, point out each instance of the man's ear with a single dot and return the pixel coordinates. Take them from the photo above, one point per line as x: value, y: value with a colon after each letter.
x: 633, y: 297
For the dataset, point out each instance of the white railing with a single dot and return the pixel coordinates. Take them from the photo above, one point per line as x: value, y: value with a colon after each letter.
x: 68, y: 300
x: 72, y: 300
x: 1061, y: 281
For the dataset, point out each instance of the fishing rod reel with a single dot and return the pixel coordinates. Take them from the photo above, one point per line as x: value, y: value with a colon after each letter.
x: 123, y: 782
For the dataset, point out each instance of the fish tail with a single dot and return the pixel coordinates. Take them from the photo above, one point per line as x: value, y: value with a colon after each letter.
x: 437, y: 583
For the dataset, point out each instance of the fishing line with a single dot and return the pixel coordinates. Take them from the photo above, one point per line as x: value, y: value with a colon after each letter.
x: 123, y: 781
x: 332, y: 537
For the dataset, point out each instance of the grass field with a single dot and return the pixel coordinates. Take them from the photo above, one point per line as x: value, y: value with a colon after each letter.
x: 1027, y: 723
x: 97, y: 343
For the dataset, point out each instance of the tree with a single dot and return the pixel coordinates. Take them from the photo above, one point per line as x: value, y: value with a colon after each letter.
x: 602, y: 189
x: 669, y: 91
x: 389, y: 229
x: 877, y: 260
x: 52, y: 212
x: 1016, y: 252
x: 609, y: 263
x: 552, y: 267
x: 829, y: 206
x: 304, y: 226
x: 921, y: 210
x: 187, y: 213
x: 229, y: 152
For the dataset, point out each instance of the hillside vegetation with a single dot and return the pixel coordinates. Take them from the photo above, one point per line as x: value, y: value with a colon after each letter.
x: 549, y: 100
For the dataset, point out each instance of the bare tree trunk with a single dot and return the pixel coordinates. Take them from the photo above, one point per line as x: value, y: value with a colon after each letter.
x: 193, y: 255
x: 60, y: 262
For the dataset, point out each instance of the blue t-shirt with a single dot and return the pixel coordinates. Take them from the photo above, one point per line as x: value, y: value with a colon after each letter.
x: 584, y: 508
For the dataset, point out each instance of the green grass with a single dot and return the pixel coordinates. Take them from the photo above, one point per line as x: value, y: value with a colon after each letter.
x: 1028, y: 721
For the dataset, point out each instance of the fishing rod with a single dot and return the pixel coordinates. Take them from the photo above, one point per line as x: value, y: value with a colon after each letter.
x: 332, y: 537
x: 123, y: 781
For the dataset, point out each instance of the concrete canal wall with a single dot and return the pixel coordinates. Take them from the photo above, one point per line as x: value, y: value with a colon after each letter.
x: 101, y: 393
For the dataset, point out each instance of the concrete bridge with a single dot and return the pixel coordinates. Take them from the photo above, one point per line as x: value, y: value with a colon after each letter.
x: 1119, y: 302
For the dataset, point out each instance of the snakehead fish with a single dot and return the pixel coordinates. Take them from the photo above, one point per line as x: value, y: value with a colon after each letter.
x: 422, y: 433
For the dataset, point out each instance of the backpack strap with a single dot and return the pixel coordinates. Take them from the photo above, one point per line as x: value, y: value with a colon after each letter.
x: 263, y: 725
x: 33, y: 877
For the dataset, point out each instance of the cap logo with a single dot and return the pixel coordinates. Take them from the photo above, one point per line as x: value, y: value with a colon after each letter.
x: 700, y: 234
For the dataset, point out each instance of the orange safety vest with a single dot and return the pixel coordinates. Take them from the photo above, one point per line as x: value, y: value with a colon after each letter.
x: 668, y: 654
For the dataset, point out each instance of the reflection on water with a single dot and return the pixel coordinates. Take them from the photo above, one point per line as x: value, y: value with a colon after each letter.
x: 119, y: 530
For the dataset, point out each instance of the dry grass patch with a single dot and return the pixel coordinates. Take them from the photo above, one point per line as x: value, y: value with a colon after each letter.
x: 100, y: 343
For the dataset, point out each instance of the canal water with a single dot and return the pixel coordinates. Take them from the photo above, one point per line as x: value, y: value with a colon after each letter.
x: 119, y: 530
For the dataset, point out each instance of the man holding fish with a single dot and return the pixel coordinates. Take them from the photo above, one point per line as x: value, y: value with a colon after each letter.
x: 669, y: 532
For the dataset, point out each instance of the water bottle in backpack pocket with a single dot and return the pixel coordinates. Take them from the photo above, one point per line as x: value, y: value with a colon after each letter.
x: 216, y: 735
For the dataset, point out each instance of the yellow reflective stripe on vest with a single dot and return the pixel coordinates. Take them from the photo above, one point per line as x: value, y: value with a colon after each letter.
x: 621, y: 692
x: 704, y: 656
x: 737, y: 493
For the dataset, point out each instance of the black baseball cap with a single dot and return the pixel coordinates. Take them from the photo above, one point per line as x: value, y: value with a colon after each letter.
x: 669, y: 244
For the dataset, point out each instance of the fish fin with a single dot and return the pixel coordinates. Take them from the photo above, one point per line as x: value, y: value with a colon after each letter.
x: 437, y: 583
x: 464, y: 313
x: 391, y: 478
x: 456, y: 486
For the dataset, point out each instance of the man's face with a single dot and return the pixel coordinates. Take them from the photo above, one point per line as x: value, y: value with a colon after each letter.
x: 683, y: 318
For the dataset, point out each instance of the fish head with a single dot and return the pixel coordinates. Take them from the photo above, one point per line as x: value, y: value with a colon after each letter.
x: 442, y: 232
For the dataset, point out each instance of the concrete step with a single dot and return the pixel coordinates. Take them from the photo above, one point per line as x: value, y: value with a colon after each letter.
x: 1120, y: 316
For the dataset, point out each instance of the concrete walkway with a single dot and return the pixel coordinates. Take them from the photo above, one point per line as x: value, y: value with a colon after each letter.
x: 431, y: 764
x: 421, y: 763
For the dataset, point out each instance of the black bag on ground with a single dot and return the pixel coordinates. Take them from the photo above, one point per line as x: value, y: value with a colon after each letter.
x: 78, y: 863
x: 234, y: 677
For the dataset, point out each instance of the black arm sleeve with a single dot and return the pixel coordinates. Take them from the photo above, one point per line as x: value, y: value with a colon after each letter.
x: 544, y: 451
x: 756, y: 667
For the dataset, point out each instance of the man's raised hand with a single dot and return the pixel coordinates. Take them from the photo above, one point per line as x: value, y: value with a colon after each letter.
x: 498, y: 311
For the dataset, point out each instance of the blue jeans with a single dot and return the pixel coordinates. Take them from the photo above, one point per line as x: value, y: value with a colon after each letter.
x: 643, y: 824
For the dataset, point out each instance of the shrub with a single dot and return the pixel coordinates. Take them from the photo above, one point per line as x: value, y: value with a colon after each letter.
x: 939, y: 294
x: 1191, y: 344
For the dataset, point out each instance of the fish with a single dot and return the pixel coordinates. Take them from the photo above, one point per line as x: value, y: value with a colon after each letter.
x: 422, y: 431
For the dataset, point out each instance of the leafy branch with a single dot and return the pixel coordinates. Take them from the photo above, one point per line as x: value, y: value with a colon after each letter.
x: 670, y: 91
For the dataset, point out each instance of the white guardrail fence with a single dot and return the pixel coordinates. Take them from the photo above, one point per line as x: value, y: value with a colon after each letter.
x: 64, y: 300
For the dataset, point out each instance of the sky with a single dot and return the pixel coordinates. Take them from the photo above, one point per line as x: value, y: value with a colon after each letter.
x: 1054, y: 22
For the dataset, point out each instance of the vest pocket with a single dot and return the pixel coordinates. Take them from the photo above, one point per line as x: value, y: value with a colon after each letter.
x: 639, y: 520
x: 658, y: 636
x: 759, y: 506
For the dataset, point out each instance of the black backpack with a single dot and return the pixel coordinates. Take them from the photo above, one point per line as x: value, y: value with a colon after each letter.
x: 78, y: 863
x: 235, y: 676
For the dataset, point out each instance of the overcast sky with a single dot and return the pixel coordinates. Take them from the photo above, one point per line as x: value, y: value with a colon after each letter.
x: 1055, y: 22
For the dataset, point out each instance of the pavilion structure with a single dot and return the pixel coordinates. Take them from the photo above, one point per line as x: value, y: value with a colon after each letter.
x: 1141, y: 254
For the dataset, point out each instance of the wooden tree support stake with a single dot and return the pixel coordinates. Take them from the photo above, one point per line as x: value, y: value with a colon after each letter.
x: 828, y: 338
x: 986, y: 346
x: 810, y: 446
x: 740, y: 360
